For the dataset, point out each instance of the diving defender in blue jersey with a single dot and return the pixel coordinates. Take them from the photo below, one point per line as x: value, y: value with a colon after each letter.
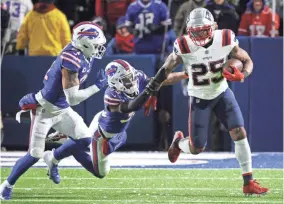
x: 128, y: 90
x: 50, y: 107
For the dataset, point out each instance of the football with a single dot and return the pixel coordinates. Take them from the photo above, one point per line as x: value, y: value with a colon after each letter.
x: 233, y: 63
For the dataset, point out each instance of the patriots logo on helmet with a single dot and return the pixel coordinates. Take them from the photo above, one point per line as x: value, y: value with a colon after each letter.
x: 112, y: 70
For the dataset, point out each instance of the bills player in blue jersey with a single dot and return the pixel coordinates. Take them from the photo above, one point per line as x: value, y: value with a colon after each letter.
x: 50, y: 107
x: 149, y: 19
x: 127, y: 92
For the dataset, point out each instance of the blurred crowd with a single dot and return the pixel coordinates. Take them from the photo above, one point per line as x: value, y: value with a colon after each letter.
x: 43, y: 27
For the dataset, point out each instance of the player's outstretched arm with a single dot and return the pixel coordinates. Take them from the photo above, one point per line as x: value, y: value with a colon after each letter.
x: 170, y: 64
x: 242, y: 55
x: 175, y: 77
x: 70, y: 84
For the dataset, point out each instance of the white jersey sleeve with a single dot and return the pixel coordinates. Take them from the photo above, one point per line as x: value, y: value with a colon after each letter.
x: 181, y: 46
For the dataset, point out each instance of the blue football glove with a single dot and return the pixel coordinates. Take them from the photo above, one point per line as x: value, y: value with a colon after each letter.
x: 101, y: 79
x: 28, y: 102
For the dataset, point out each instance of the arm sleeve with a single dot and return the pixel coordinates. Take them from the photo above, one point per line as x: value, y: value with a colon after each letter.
x: 135, y: 104
x: 22, y: 37
x: 65, y: 31
x: 74, y: 96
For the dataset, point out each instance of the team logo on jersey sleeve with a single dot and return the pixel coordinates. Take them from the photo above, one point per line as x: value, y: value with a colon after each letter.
x: 112, y: 70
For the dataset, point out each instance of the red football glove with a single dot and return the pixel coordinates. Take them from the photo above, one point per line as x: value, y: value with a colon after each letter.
x: 151, y: 102
x: 236, y: 76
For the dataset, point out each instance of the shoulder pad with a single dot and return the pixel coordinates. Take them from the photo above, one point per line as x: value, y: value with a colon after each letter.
x: 181, y: 46
x: 111, y: 97
x: 229, y: 38
x: 71, y: 60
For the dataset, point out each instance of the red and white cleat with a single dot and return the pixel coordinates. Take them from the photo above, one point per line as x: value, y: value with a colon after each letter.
x: 254, y: 188
x: 174, y: 150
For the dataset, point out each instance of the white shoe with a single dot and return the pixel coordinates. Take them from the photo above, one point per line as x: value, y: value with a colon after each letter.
x: 52, y: 167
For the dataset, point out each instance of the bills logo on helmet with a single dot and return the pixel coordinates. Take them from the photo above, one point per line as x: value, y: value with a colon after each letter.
x: 90, y: 33
x: 112, y: 70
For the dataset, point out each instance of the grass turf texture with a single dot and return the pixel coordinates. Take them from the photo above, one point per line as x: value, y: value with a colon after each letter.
x: 144, y: 186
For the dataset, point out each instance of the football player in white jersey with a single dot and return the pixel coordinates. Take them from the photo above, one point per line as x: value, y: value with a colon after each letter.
x: 203, y: 52
x: 18, y: 9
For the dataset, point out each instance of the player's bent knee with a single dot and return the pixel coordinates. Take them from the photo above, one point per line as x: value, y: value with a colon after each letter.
x: 194, y: 150
x: 37, y: 153
x: 238, y: 133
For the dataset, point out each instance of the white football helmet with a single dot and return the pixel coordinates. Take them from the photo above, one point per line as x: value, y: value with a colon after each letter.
x: 121, y: 76
x: 90, y: 39
x: 200, y: 25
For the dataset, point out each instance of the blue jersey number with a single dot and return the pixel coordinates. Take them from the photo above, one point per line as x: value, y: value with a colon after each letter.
x: 144, y: 20
x: 16, y: 8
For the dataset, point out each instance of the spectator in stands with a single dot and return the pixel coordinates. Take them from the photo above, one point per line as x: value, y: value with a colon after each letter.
x: 111, y: 10
x: 5, y: 16
x: 17, y: 9
x: 257, y: 20
x: 224, y: 14
x: 45, y: 30
x: 175, y: 5
x: 279, y: 11
x: 123, y: 42
x: 182, y: 13
x: 150, y: 21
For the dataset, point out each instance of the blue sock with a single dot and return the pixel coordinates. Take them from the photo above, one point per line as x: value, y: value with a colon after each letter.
x: 247, y: 177
x: 85, y: 160
x: 21, y: 166
x: 70, y: 147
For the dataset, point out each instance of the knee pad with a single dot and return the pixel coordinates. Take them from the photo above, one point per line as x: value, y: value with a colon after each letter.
x: 36, y: 152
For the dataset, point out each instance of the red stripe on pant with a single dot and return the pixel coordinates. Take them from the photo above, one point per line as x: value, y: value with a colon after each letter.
x: 32, y: 126
x: 95, y: 155
x: 189, y: 125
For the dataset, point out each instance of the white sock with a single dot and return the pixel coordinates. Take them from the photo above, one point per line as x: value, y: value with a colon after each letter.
x: 54, y: 161
x: 183, y: 144
x: 243, y: 155
x: 6, y: 183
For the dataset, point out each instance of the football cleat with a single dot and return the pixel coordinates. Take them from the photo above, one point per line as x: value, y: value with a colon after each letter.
x: 52, y: 167
x: 174, y: 150
x: 254, y: 188
x: 6, y: 192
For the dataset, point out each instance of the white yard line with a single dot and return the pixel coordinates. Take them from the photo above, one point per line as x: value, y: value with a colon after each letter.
x: 138, y: 201
x: 145, y: 178
x: 122, y: 188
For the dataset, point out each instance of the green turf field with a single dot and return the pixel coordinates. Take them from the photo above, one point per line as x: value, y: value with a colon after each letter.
x: 144, y: 186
